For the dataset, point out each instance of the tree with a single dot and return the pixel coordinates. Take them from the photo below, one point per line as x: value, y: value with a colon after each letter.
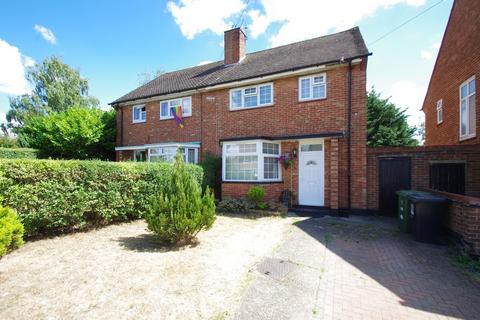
x: 148, y: 76
x: 387, y: 124
x: 75, y: 133
x: 56, y: 87
x: 180, y: 211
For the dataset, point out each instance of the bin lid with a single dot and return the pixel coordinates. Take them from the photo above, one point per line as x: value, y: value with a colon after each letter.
x: 408, y: 193
x: 426, y: 197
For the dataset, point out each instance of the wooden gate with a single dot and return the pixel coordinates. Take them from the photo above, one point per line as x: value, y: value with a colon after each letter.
x: 394, y: 174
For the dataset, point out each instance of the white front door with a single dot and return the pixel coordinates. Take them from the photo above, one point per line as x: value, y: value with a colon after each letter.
x: 311, y: 173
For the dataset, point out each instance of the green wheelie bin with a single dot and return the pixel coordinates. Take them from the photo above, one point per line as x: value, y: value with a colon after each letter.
x: 404, y: 209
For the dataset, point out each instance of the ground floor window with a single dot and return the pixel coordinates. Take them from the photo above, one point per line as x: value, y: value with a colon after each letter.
x: 190, y: 155
x: 251, y: 161
x: 140, y: 155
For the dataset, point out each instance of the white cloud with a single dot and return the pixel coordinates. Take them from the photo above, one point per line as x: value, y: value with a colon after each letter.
x: 311, y: 18
x: 428, y: 54
x: 409, y: 95
x: 46, y: 33
x: 201, y: 63
x: 12, y: 66
x: 196, y: 16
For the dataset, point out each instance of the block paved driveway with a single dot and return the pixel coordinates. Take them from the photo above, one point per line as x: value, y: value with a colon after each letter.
x: 358, y: 268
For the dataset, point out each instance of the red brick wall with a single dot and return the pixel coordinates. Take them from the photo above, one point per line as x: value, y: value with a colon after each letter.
x: 273, y: 191
x: 458, y: 60
x: 463, y: 218
x: 235, y: 45
x: 421, y: 158
x: 212, y: 120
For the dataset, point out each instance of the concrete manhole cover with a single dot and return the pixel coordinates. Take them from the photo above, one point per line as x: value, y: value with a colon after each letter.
x: 275, y: 268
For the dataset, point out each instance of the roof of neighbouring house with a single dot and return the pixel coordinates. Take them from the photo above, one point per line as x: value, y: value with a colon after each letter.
x: 347, y: 44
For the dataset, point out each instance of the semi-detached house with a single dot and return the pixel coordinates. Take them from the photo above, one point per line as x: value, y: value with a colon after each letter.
x: 287, y: 118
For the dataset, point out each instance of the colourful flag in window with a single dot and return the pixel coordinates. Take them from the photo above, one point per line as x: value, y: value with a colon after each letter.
x: 177, y: 115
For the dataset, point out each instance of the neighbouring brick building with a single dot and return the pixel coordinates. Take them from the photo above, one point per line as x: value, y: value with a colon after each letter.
x: 451, y: 103
x: 303, y: 102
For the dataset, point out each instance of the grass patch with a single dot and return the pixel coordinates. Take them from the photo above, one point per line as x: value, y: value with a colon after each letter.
x: 468, y: 262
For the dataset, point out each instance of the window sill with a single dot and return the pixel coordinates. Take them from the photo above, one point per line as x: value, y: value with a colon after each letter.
x: 439, y: 123
x: 465, y: 138
x: 311, y: 100
x: 250, y: 108
x: 172, y: 118
x: 253, y: 182
x: 139, y: 121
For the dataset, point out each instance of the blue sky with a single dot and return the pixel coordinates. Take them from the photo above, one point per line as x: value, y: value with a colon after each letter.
x: 112, y: 42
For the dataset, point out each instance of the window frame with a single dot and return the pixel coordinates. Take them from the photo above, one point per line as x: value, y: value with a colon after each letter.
x: 257, y: 93
x: 184, y: 115
x: 171, y: 155
x: 311, y: 77
x: 139, y: 106
x: 467, y: 135
x: 439, y: 111
x: 260, y: 160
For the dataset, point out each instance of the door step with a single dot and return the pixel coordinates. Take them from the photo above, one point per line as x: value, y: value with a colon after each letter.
x: 312, y: 211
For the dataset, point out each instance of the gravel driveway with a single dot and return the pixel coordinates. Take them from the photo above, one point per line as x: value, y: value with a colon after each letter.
x: 119, y: 272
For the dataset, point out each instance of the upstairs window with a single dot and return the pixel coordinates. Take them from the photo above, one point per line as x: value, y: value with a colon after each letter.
x: 139, y: 114
x: 251, y: 97
x: 166, y: 107
x: 312, y: 87
x: 439, y: 111
x: 467, y: 109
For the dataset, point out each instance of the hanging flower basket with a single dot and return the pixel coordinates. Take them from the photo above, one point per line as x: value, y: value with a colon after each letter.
x: 286, y: 160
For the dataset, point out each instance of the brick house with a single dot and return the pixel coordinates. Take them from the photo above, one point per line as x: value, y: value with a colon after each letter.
x: 450, y: 106
x: 303, y: 101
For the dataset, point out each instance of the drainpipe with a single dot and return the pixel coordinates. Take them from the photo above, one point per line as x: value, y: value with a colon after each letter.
x: 349, y: 136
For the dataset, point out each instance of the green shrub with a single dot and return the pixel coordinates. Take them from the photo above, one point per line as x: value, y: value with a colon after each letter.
x: 52, y: 196
x: 11, y: 231
x: 211, y: 165
x: 8, y: 142
x: 257, y: 194
x: 18, y: 153
x: 180, y: 211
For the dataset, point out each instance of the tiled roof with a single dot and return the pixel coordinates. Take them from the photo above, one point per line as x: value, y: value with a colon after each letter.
x: 327, y: 49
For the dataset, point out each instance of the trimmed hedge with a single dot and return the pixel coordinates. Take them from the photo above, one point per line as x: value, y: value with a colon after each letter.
x: 18, y: 153
x: 52, y: 196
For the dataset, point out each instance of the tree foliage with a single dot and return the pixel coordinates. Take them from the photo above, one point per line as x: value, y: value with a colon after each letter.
x: 75, y: 133
x: 180, y: 211
x: 387, y: 124
x: 56, y: 87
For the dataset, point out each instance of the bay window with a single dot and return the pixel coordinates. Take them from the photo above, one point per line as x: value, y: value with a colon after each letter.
x: 251, y: 97
x: 166, y: 107
x: 251, y: 161
x: 467, y: 109
x: 312, y: 87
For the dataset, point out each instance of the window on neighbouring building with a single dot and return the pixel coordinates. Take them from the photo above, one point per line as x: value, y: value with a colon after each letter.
x: 449, y: 177
x: 467, y: 109
x: 139, y: 113
x: 251, y: 97
x: 439, y: 111
x: 312, y: 87
x: 251, y: 161
x: 166, y: 107
x: 140, y: 155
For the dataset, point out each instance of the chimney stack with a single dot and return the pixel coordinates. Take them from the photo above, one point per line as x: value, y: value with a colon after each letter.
x: 235, y: 45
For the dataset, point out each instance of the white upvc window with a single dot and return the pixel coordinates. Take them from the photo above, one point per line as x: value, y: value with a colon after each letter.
x: 251, y: 97
x: 439, y: 111
x: 190, y: 155
x: 255, y: 160
x: 312, y: 87
x: 139, y: 113
x: 166, y: 107
x: 467, y: 109
x: 140, y: 155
